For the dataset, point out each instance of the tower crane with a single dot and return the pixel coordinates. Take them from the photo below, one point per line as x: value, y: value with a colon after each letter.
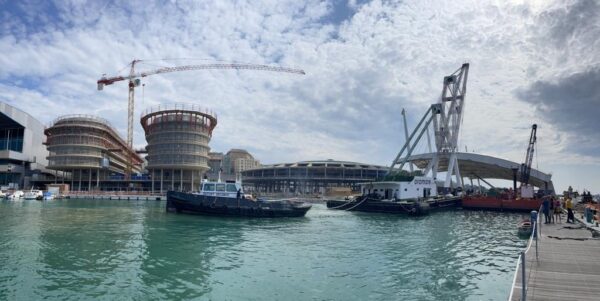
x: 134, y: 81
x: 526, y: 167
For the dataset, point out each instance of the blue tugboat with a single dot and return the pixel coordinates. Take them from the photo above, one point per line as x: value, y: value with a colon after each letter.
x: 228, y: 199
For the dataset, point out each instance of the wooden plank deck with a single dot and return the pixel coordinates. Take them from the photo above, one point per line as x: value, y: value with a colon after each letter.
x: 567, y: 266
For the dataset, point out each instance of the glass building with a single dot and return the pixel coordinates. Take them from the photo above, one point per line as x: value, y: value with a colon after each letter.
x: 22, y: 153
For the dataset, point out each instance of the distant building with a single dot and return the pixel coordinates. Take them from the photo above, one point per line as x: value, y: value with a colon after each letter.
x: 22, y: 153
x: 231, y: 165
x: 310, y: 177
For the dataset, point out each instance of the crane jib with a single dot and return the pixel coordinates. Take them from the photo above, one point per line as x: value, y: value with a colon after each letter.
x: 135, y: 76
x: 111, y: 80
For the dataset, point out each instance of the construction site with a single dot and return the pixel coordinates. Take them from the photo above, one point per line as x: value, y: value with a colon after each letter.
x: 85, y: 153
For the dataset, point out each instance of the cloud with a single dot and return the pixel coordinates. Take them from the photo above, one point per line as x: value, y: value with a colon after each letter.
x: 365, y: 61
x: 572, y: 104
x: 571, y: 21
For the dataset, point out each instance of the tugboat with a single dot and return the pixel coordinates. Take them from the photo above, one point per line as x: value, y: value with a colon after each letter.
x: 228, y: 199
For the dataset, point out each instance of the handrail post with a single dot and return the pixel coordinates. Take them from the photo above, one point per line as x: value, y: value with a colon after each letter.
x: 523, y: 280
x: 536, y: 242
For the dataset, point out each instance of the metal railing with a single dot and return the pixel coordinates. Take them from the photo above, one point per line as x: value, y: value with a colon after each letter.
x: 178, y: 106
x: 522, y: 262
x: 77, y: 118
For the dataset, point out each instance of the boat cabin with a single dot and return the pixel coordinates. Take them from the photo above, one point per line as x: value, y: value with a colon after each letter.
x: 221, y: 189
x: 411, y: 188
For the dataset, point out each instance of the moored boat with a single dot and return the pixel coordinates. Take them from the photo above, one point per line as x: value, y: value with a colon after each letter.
x: 405, y: 194
x: 16, y: 195
x: 33, y: 194
x: 525, y: 228
x: 48, y: 196
x: 501, y: 203
x: 228, y: 199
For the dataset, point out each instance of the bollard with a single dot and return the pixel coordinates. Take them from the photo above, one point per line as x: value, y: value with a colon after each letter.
x: 523, y: 281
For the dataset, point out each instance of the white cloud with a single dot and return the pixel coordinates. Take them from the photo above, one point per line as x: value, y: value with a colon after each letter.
x: 360, y: 72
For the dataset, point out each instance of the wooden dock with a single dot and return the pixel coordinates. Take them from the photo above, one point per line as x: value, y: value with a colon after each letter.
x: 567, y: 266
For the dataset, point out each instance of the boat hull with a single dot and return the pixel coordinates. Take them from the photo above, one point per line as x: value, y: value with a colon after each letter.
x: 494, y: 203
x: 380, y: 206
x: 182, y: 202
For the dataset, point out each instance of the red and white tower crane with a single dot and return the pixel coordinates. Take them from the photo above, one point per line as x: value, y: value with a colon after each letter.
x: 134, y: 81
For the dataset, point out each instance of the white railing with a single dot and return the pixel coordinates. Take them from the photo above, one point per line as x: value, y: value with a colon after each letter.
x: 522, y: 262
x: 72, y: 118
x: 81, y: 116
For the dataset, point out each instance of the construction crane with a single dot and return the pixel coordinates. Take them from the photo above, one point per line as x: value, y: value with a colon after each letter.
x: 135, y: 79
x: 526, y: 167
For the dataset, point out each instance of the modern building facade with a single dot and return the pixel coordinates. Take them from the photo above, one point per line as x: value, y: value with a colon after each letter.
x: 310, y: 177
x: 230, y: 165
x: 22, y: 153
x: 178, y: 137
x: 91, y: 151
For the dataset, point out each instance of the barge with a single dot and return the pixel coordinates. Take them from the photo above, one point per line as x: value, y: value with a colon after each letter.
x: 410, y: 195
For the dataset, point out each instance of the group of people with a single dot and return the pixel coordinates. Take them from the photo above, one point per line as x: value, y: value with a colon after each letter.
x: 552, y: 209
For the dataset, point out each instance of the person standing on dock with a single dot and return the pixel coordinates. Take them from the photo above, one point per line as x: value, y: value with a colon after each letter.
x: 546, y: 210
x: 557, y: 211
x: 570, y: 216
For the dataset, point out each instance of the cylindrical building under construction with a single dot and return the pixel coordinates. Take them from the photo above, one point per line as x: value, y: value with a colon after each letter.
x: 91, y: 150
x: 178, y: 137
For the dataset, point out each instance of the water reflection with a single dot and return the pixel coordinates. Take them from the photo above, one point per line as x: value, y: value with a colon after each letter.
x: 75, y: 249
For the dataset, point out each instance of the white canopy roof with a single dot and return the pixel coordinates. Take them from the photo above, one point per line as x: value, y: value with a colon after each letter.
x: 486, y: 167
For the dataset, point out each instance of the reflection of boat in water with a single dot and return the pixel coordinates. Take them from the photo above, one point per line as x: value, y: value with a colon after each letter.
x: 525, y: 228
x: 228, y: 199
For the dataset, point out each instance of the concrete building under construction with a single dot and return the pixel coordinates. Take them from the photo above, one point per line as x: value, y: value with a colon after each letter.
x: 178, y: 137
x: 91, y: 151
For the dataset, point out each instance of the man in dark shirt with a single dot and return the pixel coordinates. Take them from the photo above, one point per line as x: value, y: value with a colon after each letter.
x: 546, y: 210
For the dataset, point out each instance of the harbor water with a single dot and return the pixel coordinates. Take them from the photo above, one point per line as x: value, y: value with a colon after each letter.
x: 123, y: 250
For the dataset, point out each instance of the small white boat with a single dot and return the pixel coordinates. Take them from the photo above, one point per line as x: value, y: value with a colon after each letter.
x: 525, y: 228
x: 17, y: 195
x: 34, y: 194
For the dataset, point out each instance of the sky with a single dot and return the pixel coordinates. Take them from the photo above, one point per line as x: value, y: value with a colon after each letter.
x: 530, y: 62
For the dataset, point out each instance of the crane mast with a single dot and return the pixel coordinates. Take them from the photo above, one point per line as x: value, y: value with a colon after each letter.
x: 526, y: 167
x: 134, y: 81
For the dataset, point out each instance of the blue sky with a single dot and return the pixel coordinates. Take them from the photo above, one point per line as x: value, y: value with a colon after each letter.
x: 531, y: 62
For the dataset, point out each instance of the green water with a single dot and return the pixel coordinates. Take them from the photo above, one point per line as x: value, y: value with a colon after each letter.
x: 123, y: 250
